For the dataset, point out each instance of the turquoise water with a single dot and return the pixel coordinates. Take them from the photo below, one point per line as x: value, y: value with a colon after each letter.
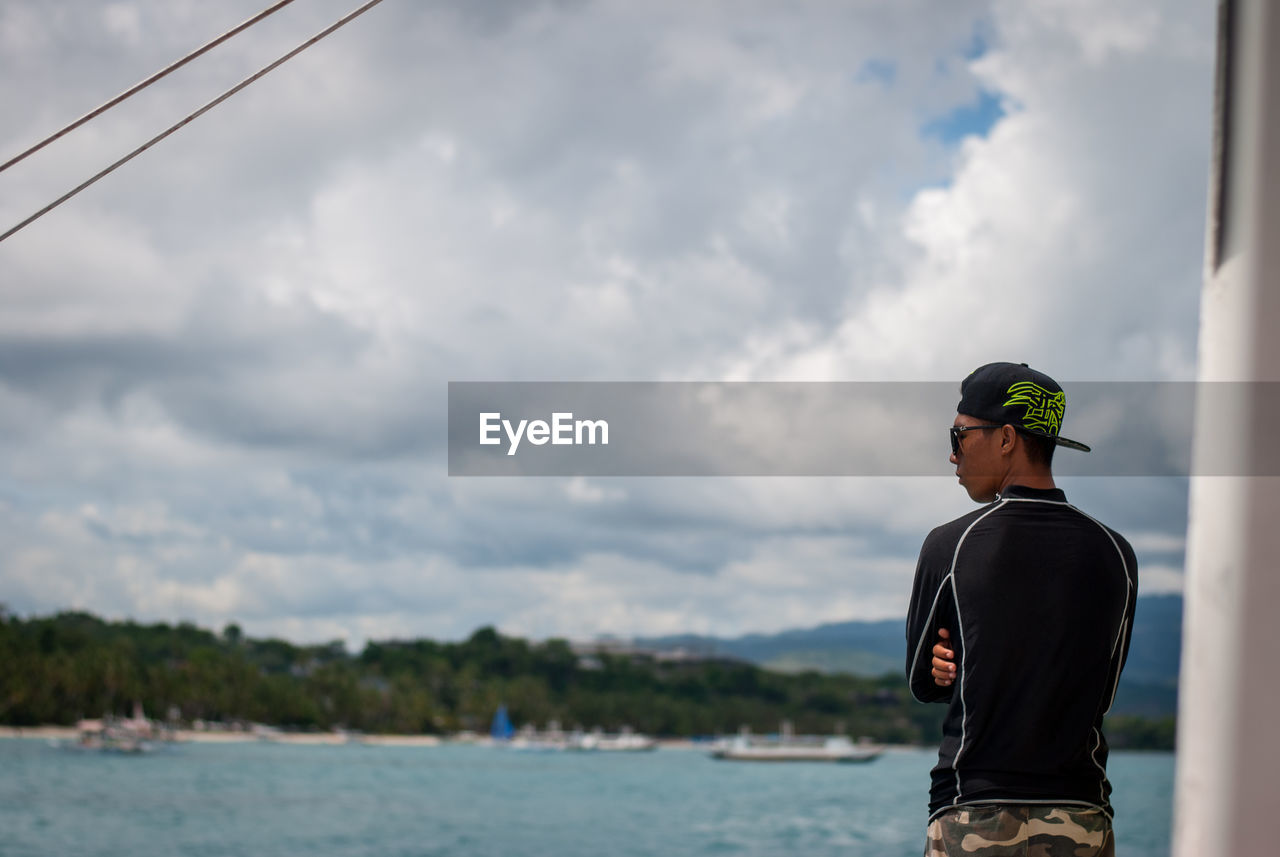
x: 330, y: 801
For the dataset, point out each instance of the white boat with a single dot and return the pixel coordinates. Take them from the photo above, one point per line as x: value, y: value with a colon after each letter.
x: 625, y: 741
x: 791, y: 748
x: 537, y: 744
x: 116, y: 735
x: 554, y: 739
x: 530, y: 740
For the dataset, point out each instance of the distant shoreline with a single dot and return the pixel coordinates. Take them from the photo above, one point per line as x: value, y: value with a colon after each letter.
x: 190, y: 736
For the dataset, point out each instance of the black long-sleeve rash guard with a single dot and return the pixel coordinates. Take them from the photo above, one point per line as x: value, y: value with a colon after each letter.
x: 1039, y: 600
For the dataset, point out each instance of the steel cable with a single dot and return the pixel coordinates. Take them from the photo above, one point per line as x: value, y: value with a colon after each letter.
x: 141, y: 85
x: 192, y: 116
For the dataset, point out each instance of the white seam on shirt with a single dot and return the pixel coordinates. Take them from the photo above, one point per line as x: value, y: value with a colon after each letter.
x: 1123, y: 630
x: 1121, y: 633
x: 1093, y: 757
x: 964, y: 709
x: 924, y: 634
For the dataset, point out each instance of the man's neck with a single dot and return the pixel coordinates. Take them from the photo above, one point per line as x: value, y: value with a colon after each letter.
x: 1039, y: 479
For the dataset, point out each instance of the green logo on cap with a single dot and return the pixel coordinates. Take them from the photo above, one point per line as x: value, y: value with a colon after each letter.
x: 1045, y: 410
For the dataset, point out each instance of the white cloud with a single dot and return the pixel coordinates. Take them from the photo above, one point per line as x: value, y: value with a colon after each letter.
x: 1057, y: 228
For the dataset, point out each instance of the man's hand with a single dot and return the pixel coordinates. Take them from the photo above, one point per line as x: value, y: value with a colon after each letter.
x: 944, y: 660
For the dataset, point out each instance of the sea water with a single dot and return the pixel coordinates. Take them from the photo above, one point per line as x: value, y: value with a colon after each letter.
x: 273, y: 800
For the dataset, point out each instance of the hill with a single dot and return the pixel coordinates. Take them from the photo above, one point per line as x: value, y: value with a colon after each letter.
x: 1148, y: 686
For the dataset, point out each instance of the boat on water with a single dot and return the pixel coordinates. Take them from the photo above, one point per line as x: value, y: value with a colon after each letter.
x: 132, y: 735
x: 528, y: 739
x: 104, y: 738
x: 554, y: 739
x: 598, y: 741
x: 835, y: 749
x: 500, y: 729
x: 788, y: 747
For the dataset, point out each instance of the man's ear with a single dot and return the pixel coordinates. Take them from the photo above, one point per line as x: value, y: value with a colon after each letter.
x: 1008, y: 438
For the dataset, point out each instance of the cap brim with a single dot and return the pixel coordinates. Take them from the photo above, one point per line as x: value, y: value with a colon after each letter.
x: 1071, y: 444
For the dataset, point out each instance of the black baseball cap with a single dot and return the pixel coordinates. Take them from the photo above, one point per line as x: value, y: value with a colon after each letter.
x: 1017, y: 395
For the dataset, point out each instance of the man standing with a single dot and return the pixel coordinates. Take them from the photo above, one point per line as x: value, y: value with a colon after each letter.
x: 1019, y: 621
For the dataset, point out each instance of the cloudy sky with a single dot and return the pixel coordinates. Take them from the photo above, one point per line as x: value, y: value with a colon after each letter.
x: 223, y: 368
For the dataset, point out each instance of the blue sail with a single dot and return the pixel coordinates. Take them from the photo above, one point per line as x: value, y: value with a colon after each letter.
x: 501, y: 728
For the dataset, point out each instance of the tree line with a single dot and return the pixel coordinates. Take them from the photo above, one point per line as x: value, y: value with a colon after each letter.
x: 61, y: 668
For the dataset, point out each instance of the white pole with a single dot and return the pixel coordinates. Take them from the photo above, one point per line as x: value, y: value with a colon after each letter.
x: 1228, y: 743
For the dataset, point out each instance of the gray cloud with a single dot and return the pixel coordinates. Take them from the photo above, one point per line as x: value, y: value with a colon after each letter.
x: 223, y: 369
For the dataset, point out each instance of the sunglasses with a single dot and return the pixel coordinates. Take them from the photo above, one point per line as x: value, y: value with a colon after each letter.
x: 957, y: 431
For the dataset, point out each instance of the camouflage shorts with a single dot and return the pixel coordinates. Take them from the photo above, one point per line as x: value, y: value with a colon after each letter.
x: 1021, y: 830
